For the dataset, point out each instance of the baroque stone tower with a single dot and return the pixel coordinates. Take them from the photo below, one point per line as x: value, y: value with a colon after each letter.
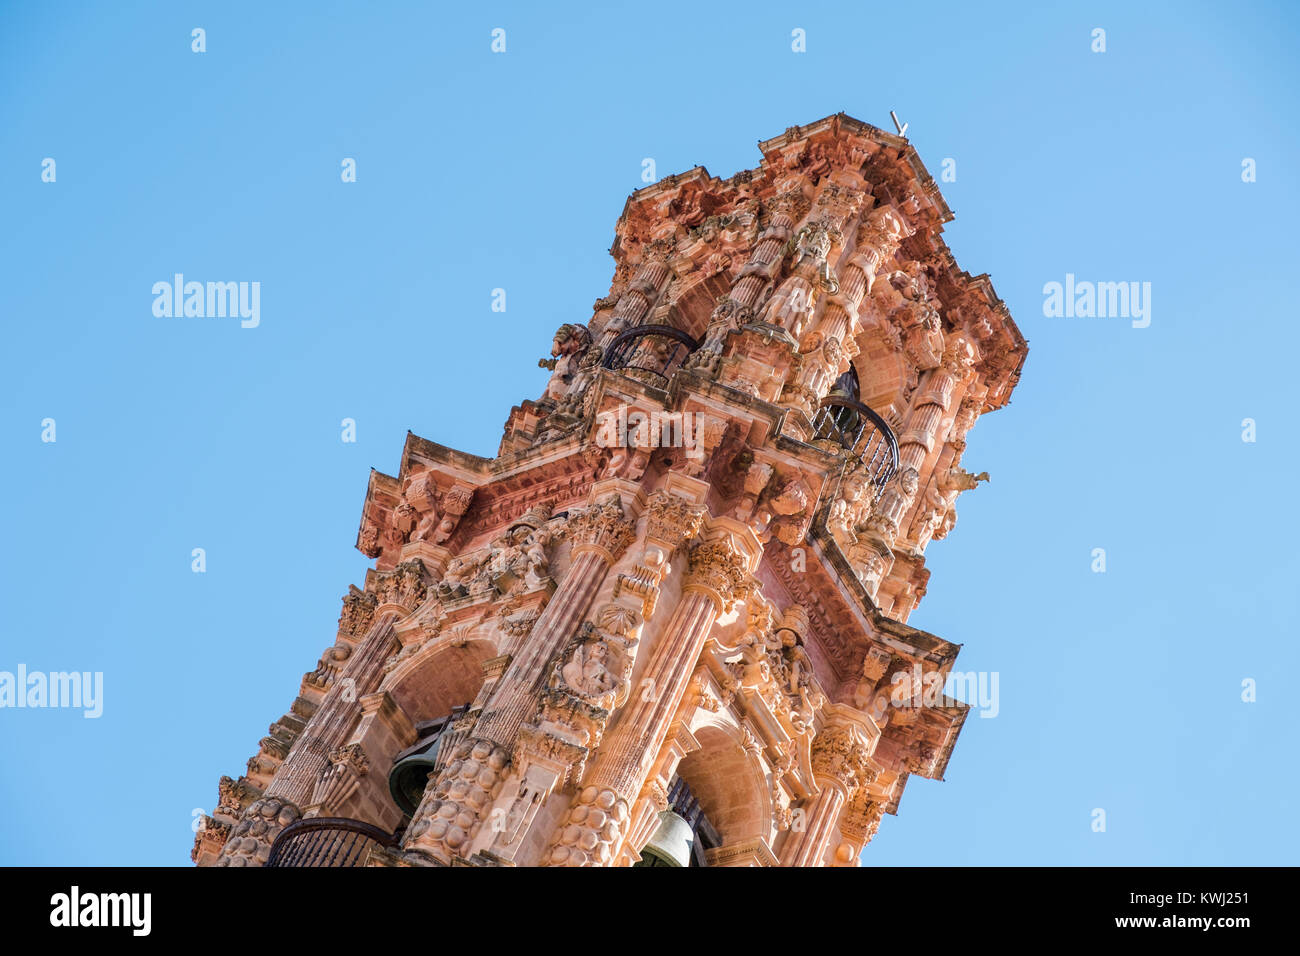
x: 667, y: 623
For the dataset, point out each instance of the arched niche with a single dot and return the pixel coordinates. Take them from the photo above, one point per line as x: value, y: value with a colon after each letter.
x: 729, y: 782
x: 443, y: 675
x: 695, y: 303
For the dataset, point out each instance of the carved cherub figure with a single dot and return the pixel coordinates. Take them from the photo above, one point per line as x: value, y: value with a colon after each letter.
x: 539, y: 563
x: 588, y: 671
x: 455, y: 578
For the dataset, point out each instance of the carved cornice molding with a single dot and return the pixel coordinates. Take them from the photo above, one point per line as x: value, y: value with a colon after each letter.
x: 755, y: 851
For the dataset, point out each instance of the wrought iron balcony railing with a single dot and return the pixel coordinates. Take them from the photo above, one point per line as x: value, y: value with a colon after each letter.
x: 328, y: 842
x: 859, y: 430
x: 649, y: 353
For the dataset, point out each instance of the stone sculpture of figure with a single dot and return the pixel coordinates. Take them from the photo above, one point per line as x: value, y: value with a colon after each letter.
x: 958, y: 479
x: 584, y: 364
x: 797, y: 663
x: 963, y: 421
x: 428, y: 524
x: 569, y: 341
x: 849, y: 508
x: 455, y: 579
x: 588, y: 670
x: 539, y: 563
x: 939, y: 514
x: 755, y: 669
x: 894, y: 502
x: 912, y: 281
x: 878, y: 239
x: 791, y: 498
x: 792, y: 304
x: 922, y: 334
x: 506, y: 559
x: 803, y: 711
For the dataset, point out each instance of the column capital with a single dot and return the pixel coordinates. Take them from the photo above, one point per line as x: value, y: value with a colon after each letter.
x: 719, y: 569
x: 841, y: 757
x: 861, y: 818
x: 672, y: 519
x: 602, y: 528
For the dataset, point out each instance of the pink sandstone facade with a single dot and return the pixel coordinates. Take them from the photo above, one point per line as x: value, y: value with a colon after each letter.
x: 667, y: 623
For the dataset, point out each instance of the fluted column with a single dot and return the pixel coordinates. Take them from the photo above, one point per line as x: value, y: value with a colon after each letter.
x: 454, y: 804
x: 933, y: 399
x: 841, y: 762
x: 737, y: 307
x: 835, y: 347
x: 314, y: 750
x: 764, y: 261
x: 596, y: 824
x: 635, y: 302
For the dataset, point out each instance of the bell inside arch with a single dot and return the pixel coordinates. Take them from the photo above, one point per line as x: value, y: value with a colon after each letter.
x: 671, y: 844
x: 411, y: 768
x: 409, y: 777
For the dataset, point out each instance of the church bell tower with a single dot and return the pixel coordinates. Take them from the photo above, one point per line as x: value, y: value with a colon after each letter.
x: 666, y: 625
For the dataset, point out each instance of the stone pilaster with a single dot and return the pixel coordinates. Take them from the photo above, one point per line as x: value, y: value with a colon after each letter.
x: 310, y: 756
x: 588, y: 678
x: 452, y: 812
x: 634, y: 304
x: 718, y: 576
x: 841, y: 764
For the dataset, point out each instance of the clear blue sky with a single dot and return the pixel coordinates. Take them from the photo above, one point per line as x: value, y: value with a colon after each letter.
x: 1119, y: 691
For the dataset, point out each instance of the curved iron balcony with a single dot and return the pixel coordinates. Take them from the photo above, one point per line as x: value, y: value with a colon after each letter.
x: 859, y: 430
x: 328, y: 842
x: 649, y: 353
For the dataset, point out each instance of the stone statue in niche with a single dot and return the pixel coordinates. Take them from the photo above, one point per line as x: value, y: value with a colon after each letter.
x: 588, y: 672
x: 597, y: 663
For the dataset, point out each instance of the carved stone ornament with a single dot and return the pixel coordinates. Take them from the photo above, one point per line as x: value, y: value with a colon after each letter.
x: 717, y: 567
x: 602, y: 527
x: 841, y: 754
